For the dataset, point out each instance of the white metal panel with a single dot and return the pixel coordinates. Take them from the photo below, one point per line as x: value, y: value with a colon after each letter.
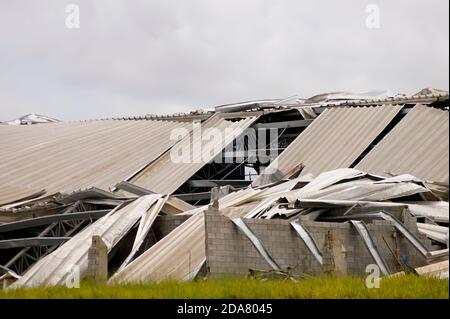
x: 418, y: 145
x: 55, y: 268
x: 165, y: 175
x: 176, y: 256
x: 334, y: 140
x: 64, y: 157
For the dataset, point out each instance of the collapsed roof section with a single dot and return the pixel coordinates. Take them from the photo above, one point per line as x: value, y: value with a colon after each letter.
x: 62, y: 183
x: 334, y: 140
x: 339, y: 195
x: 165, y: 176
x: 65, y: 157
x: 424, y: 130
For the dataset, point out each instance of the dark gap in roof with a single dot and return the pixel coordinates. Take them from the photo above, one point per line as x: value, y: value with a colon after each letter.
x: 410, y: 198
x: 234, y: 119
x: 400, y: 115
x: 121, y: 250
x: 211, y: 172
x: 442, y: 105
x: 236, y: 170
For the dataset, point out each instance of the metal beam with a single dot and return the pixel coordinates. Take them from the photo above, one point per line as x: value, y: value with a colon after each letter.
x: 29, y: 255
x: 91, y: 193
x: 308, y: 240
x: 256, y: 243
x: 32, y: 242
x: 404, y: 110
x: 283, y: 125
x: 133, y: 189
x: 215, y: 183
x: 362, y: 230
x: 45, y: 220
x: 412, y: 238
x: 193, y: 196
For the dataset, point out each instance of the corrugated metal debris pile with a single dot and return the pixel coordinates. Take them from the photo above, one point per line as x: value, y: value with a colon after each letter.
x: 343, y: 161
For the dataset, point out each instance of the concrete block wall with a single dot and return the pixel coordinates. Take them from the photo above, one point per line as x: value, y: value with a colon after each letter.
x: 230, y: 252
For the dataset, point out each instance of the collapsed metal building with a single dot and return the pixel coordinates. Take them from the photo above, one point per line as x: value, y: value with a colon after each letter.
x: 329, y: 184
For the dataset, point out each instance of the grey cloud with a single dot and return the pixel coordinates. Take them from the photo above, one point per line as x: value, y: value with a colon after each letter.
x: 171, y: 56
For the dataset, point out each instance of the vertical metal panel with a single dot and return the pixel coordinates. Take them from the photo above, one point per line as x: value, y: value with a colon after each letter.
x: 176, y: 256
x: 418, y: 145
x: 54, y: 269
x: 165, y: 176
x: 335, y: 139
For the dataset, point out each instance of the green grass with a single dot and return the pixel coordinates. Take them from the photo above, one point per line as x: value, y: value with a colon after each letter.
x: 315, y: 287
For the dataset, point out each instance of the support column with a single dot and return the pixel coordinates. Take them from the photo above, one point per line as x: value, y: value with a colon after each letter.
x: 98, y: 261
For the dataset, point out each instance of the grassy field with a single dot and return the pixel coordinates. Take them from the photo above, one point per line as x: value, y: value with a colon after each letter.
x: 314, y: 287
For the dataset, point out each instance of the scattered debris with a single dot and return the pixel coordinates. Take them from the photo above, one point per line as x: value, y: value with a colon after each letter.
x: 357, y: 179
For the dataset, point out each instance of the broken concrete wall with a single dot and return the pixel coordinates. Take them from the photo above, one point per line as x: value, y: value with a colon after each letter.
x: 229, y: 252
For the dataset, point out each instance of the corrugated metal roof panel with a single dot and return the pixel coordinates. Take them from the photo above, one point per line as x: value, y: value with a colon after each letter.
x: 173, y: 257
x: 64, y: 157
x: 52, y: 269
x: 11, y: 193
x: 396, y: 100
x: 165, y: 176
x: 418, y: 145
x: 335, y: 139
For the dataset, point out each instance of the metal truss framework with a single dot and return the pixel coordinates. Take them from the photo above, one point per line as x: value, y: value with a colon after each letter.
x: 27, y: 256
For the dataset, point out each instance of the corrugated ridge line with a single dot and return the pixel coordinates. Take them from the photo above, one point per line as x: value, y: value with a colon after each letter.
x: 418, y: 145
x: 35, y: 135
x: 77, y: 142
x: 47, y: 132
x: 62, y: 143
x: 125, y: 143
x: 21, y: 138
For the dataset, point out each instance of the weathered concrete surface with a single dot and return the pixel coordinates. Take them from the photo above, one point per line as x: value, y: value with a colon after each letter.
x: 229, y: 252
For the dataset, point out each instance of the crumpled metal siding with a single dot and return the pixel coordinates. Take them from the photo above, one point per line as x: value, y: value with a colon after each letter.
x: 64, y: 157
x: 165, y: 176
x: 55, y: 268
x: 418, y: 145
x: 335, y: 139
x: 437, y: 211
x: 174, y: 257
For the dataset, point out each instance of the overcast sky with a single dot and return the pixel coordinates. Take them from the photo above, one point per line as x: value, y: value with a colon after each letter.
x: 164, y: 56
